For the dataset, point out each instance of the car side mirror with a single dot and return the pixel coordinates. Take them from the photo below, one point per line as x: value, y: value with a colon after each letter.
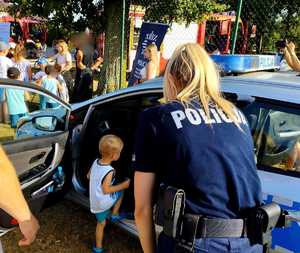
x: 45, y: 123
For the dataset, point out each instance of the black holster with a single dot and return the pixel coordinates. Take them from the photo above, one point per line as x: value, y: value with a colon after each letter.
x: 176, y: 224
x: 170, y: 210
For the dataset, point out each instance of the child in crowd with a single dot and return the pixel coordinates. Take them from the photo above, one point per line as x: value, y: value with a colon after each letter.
x: 5, y: 63
x: 15, y: 99
x: 37, y: 77
x: 103, y: 194
x: 51, y: 84
x: 64, y: 93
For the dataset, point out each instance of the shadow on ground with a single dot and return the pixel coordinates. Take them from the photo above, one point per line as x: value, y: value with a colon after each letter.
x: 68, y: 228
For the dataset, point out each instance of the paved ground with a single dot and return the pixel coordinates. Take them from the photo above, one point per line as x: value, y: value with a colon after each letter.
x: 68, y: 228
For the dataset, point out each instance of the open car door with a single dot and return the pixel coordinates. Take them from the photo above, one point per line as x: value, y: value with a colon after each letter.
x: 34, y: 133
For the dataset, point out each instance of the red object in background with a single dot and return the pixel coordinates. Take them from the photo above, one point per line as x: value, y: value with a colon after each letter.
x: 25, y: 25
x: 13, y: 221
x: 225, y: 27
x: 201, y: 34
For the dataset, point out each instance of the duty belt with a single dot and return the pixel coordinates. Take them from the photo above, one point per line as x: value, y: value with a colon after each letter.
x: 197, y: 226
x: 220, y: 228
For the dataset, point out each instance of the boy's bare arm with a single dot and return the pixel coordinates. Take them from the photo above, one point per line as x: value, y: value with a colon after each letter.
x: 108, y: 188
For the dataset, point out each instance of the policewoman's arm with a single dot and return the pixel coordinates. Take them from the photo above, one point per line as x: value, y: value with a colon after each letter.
x: 143, y: 195
x: 12, y: 201
x: 144, y: 181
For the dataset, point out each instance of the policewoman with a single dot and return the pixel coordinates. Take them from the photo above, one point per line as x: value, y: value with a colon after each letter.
x: 199, y: 142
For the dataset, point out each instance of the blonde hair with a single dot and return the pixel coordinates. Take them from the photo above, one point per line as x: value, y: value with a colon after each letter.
x: 19, y: 52
x: 153, y: 52
x: 191, y: 74
x: 64, y: 46
x: 110, y: 144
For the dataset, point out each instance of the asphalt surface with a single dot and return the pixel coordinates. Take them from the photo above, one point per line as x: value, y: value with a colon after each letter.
x: 69, y: 228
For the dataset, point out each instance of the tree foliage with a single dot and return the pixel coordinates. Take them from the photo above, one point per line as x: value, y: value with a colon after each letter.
x: 180, y: 11
x: 64, y: 16
x: 275, y: 19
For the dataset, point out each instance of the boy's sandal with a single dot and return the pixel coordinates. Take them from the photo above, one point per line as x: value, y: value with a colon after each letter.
x: 97, y: 250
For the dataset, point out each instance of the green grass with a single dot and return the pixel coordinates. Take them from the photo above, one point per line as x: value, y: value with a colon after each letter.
x: 6, y: 132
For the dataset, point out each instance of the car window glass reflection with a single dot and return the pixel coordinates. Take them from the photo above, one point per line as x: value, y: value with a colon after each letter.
x: 27, y: 114
x: 276, y: 135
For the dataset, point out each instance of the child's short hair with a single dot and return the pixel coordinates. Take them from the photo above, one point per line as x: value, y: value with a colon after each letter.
x: 58, y: 67
x: 110, y: 144
x: 13, y: 73
x: 49, y: 69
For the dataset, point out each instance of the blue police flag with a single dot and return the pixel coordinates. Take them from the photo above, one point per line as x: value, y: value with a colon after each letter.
x: 4, y: 32
x: 151, y: 33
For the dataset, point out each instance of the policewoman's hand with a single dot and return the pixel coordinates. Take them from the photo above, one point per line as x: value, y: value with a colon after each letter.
x: 29, y: 230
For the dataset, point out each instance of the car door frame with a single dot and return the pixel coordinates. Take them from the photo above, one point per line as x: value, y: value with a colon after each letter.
x: 79, y: 131
x: 30, y: 87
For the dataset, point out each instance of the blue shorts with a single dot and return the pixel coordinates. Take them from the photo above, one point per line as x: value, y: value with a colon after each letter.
x: 14, y: 118
x: 102, y: 216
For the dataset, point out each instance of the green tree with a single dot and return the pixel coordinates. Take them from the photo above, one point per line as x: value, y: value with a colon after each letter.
x: 275, y: 19
x: 180, y: 11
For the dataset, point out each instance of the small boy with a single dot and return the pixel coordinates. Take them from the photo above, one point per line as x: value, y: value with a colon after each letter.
x: 103, y: 194
x: 51, y: 84
x: 15, y: 99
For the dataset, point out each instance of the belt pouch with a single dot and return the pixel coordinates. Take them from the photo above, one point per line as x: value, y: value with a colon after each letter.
x: 170, y: 211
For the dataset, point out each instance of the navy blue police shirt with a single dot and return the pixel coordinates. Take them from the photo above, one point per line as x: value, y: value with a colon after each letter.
x: 211, y: 159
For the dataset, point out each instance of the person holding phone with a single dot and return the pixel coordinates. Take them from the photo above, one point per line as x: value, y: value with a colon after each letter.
x: 291, y: 56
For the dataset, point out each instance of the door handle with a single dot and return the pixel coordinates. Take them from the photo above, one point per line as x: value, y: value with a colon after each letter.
x: 37, y: 157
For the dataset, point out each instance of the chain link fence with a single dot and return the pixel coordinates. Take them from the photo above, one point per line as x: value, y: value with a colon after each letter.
x: 239, y: 27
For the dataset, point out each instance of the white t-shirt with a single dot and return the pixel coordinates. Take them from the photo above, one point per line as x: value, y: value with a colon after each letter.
x: 5, y: 64
x: 100, y: 201
x: 62, y: 59
x: 39, y: 75
x: 23, y: 66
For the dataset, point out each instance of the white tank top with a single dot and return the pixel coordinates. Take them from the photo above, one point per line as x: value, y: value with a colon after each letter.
x: 99, y: 202
x: 143, y: 73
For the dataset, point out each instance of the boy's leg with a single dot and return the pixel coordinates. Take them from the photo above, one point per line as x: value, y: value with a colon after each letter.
x: 117, y: 205
x: 5, y: 112
x: 99, y: 234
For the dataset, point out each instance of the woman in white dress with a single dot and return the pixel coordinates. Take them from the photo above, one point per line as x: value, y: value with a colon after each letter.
x: 64, y: 59
x: 151, y: 69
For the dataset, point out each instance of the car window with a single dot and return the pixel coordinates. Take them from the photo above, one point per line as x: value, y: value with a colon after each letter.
x: 276, y: 133
x: 25, y: 114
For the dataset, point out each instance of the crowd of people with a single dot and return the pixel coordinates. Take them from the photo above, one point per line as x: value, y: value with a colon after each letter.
x: 54, y: 73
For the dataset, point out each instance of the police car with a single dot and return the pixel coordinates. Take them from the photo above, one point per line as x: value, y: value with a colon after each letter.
x: 269, y: 100
x: 271, y: 104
